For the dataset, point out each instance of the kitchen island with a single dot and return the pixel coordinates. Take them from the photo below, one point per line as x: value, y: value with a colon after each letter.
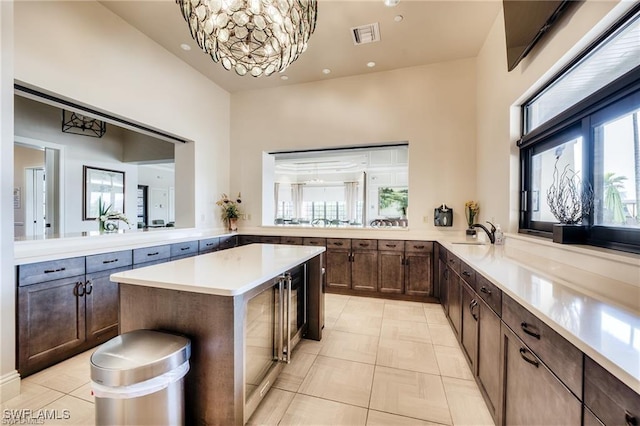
x: 224, y: 302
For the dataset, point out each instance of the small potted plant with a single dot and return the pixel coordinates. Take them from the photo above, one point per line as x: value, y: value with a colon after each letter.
x: 230, y: 211
x: 471, y: 210
x: 108, y: 219
x: 570, y: 202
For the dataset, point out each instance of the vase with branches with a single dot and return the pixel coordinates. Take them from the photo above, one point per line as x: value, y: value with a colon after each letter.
x: 230, y: 211
x: 570, y: 200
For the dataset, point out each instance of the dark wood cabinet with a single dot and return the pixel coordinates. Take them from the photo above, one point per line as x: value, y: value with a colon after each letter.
x: 442, y: 284
x: 101, y: 306
x: 454, y: 297
x: 488, y: 361
x: 469, y: 325
x: 51, y: 322
x: 534, y: 395
x: 391, y: 272
x: 364, y: 270
x: 338, y: 268
x: 610, y: 400
x: 419, y: 281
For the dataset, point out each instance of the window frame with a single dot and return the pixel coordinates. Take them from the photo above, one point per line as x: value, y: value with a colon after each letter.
x: 580, y: 119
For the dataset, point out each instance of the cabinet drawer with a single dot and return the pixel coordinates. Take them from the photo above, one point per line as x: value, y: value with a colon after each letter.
x: 184, y: 249
x: 269, y: 239
x: 291, y: 240
x: 613, y: 402
x: 228, y: 242
x: 453, y: 262
x: 418, y: 246
x: 364, y: 245
x: 314, y: 241
x: 208, y: 245
x: 468, y: 274
x: 102, y: 262
x: 151, y: 254
x: 248, y: 239
x: 52, y: 270
x: 489, y: 293
x: 564, y: 359
x: 338, y: 243
x: 390, y: 245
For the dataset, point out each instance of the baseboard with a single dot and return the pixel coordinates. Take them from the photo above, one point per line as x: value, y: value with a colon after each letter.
x: 9, y: 386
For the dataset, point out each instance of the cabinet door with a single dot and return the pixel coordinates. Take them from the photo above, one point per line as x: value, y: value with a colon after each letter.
x: 488, y: 365
x: 102, y: 306
x: 454, y: 298
x: 51, y: 322
x: 391, y: 272
x: 534, y: 396
x: 338, y: 269
x: 469, y: 325
x: 364, y: 270
x: 442, y: 282
x: 418, y: 281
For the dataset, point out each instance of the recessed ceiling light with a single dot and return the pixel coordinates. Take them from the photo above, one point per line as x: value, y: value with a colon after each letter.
x: 326, y: 71
x: 371, y: 64
x: 185, y: 46
x: 391, y: 3
x: 284, y: 77
x: 398, y: 18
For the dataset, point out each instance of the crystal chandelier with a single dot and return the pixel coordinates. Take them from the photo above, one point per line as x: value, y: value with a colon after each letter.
x: 257, y: 37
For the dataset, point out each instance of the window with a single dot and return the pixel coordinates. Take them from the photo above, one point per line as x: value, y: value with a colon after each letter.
x: 585, y: 124
x: 337, y: 187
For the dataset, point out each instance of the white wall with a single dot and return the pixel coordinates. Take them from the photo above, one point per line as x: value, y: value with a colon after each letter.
x: 9, y: 379
x: 432, y: 107
x: 501, y: 93
x: 83, y: 51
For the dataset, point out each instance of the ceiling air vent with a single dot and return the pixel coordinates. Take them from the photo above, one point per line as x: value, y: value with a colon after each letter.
x: 365, y: 34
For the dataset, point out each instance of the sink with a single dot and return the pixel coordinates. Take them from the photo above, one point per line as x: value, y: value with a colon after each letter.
x: 471, y: 243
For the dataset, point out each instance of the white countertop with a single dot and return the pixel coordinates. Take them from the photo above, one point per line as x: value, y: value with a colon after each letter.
x: 225, y: 273
x: 607, y: 332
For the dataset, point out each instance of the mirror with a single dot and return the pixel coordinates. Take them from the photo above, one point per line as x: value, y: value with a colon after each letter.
x: 52, y: 198
x: 102, y: 186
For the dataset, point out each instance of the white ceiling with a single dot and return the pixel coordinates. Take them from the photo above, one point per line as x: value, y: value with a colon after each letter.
x: 431, y: 31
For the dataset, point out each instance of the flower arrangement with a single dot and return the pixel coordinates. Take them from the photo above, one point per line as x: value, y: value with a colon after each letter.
x: 105, y: 214
x: 471, y: 210
x: 230, y: 210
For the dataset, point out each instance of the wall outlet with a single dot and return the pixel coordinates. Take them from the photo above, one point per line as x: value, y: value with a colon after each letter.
x: 425, y: 219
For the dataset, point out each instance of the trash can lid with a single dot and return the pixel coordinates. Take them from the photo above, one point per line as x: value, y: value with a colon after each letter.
x: 137, y: 356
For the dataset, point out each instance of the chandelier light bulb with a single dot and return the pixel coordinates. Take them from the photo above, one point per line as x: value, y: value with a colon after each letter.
x: 257, y: 37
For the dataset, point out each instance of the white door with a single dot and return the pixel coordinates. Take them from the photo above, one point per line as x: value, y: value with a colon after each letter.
x: 158, y: 205
x: 35, y: 197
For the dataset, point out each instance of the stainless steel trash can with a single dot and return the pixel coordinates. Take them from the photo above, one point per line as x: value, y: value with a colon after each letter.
x: 137, y: 378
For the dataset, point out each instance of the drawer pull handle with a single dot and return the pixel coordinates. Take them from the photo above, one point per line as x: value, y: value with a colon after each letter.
x: 184, y: 248
x: 338, y: 243
x: 391, y: 245
x: 88, y: 287
x: 110, y: 261
x: 451, y: 260
x: 208, y: 244
x: 525, y: 328
x: 630, y: 419
x: 485, y: 290
x: 51, y: 271
x: 421, y: 247
x: 534, y: 362
x: 466, y: 274
x: 77, y: 289
x: 155, y: 253
x: 364, y: 244
x: 472, y: 305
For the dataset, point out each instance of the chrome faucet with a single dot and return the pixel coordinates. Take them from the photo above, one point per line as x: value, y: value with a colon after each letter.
x: 491, y: 234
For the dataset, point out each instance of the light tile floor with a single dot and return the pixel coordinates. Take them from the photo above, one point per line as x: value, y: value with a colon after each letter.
x: 380, y: 362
